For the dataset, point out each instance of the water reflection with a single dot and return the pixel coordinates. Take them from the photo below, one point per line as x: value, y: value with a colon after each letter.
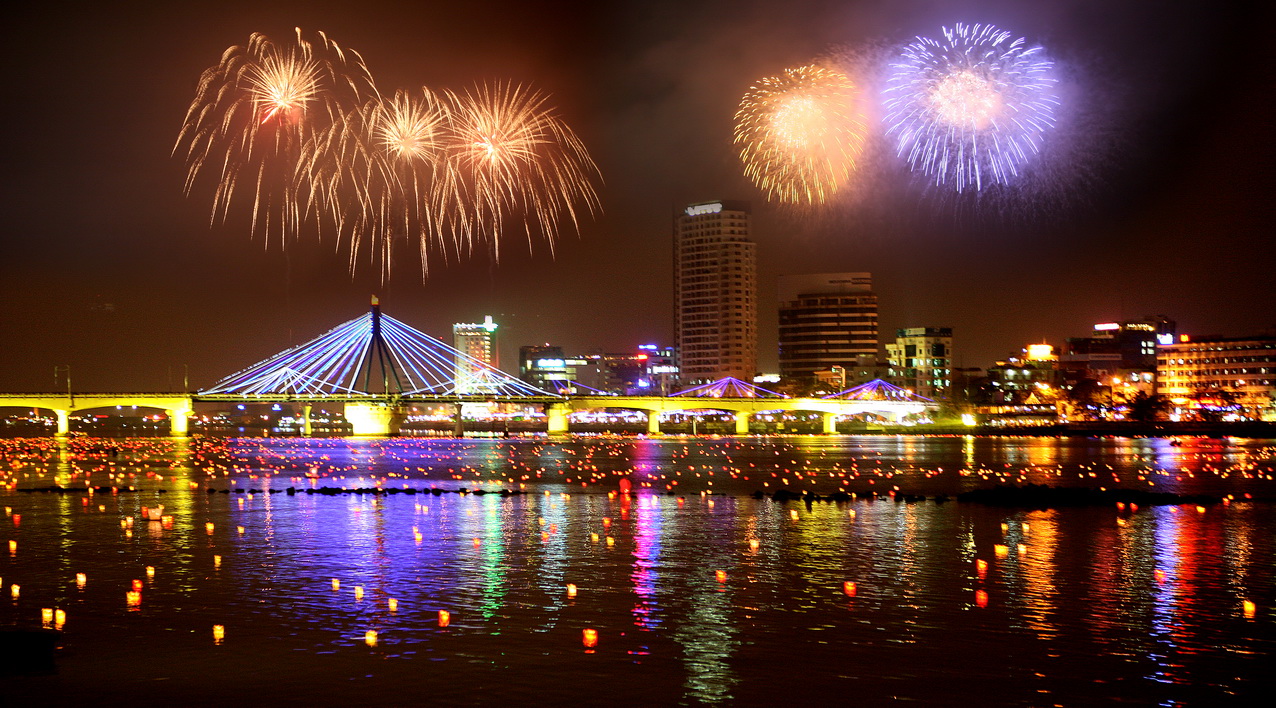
x: 1084, y: 603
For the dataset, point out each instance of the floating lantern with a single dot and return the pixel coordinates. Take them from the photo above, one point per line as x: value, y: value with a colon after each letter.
x: 13, y: 548
x: 1001, y: 550
x: 571, y: 590
x: 219, y: 633
x: 1120, y: 506
x: 209, y: 528
x: 1022, y: 549
x: 17, y: 519
x: 1120, y: 522
x: 753, y: 545
x: 721, y: 575
x: 59, y: 619
x: 150, y: 572
x: 217, y: 562
x: 1024, y: 526
x: 477, y: 543
x: 611, y: 541
x: 445, y: 618
x: 851, y: 514
x: 1134, y: 507
x: 133, y: 597
x: 418, y: 537
x: 544, y: 537
x: 1160, y: 575
x: 1005, y: 527
x: 1200, y: 509
x: 240, y: 530
x: 606, y: 522
x: 15, y: 591
x: 590, y: 638
x: 393, y: 604
x: 80, y: 580
x: 981, y: 566
x: 46, y: 616
x: 137, y: 585
x: 1248, y: 608
x: 370, y: 637
x: 849, y: 588
x: 358, y: 592
x: 981, y: 598
x: 336, y: 585
x: 593, y: 537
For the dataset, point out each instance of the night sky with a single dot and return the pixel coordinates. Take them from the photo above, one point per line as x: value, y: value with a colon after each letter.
x: 1155, y: 198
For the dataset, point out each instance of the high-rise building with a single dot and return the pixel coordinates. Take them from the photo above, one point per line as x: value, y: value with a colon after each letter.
x: 478, y: 343
x: 827, y: 320
x: 921, y: 360
x: 715, y: 292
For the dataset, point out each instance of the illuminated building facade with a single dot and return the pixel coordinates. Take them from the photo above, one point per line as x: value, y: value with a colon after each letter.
x: 1240, y: 372
x: 478, y: 343
x: 921, y: 360
x: 649, y: 371
x: 715, y: 293
x: 828, y: 323
x: 1118, y: 347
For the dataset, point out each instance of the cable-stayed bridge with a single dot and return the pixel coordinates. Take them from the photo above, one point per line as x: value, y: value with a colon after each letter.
x: 379, y: 367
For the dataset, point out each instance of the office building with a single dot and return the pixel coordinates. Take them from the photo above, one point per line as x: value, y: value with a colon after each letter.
x: 921, y: 360
x: 477, y: 342
x: 1231, y: 375
x: 715, y: 292
x: 828, y: 323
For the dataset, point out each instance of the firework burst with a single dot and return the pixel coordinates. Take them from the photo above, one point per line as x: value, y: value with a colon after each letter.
x: 970, y: 110
x: 300, y: 133
x: 509, y: 157
x: 253, y: 116
x: 800, y: 133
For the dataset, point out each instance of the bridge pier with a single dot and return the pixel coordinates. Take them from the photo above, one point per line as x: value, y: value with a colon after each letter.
x: 307, y: 428
x: 374, y: 419
x: 458, y: 422
x: 64, y: 422
x: 741, y: 422
x: 653, y: 422
x: 178, y: 421
x: 830, y: 423
x: 556, y: 417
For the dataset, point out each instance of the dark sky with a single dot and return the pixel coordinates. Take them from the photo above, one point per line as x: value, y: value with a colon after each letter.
x: 1156, y: 197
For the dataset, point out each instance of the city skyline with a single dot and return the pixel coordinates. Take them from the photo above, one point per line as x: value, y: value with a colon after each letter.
x: 107, y: 267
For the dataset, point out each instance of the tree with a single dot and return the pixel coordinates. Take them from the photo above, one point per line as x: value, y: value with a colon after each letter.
x: 1146, y: 408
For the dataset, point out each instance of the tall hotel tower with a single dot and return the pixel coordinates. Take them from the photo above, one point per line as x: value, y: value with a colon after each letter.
x: 715, y: 293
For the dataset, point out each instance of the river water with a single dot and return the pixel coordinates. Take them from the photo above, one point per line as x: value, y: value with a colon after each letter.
x: 696, y: 592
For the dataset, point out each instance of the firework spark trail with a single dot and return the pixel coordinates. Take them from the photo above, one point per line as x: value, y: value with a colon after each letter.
x: 322, y: 148
x: 252, y: 116
x: 972, y: 109
x: 508, y: 156
x: 374, y: 170
x: 800, y: 133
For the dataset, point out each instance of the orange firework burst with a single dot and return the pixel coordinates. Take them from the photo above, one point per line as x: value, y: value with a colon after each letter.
x: 252, y: 117
x: 508, y: 157
x: 800, y: 133
x: 373, y: 173
x: 316, y: 145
